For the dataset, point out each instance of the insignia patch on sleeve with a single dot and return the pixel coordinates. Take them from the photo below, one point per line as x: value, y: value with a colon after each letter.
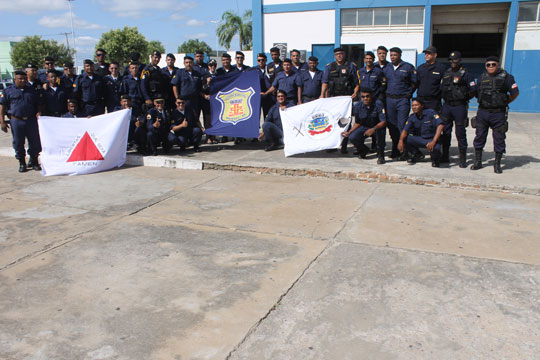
x: 436, y: 116
x: 472, y: 83
x: 148, y: 116
x: 514, y: 86
x: 74, y: 85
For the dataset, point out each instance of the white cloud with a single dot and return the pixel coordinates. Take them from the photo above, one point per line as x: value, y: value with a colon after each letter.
x: 196, y: 36
x: 11, y: 38
x: 194, y: 22
x: 85, y: 41
x: 137, y: 8
x: 64, y: 21
x: 177, y: 16
x: 32, y: 6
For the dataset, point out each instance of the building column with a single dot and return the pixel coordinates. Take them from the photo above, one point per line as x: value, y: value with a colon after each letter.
x: 510, y: 35
x: 257, y: 28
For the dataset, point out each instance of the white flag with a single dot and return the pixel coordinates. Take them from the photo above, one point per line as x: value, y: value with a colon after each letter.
x: 76, y: 146
x: 316, y: 125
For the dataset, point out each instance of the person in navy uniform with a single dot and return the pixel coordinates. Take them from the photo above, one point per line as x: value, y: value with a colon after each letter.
x: 89, y: 89
x: 458, y: 87
x: 185, y: 128
x: 23, y: 103
x: 369, y: 120
x: 73, y: 110
x: 134, y: 58
x: 55, y: 96
x: 421, y: 130
x: 240, y: 62
x: 311, y: 82
x: 267, y: 101
x: 48, y: 64
x: 200, y: 65
x: 32, y: 77
x: 187, y: 84
x: 496, y: 89
x: 153, y: 81
x: 401, y: 84
x: 68, y: 79
x: 170, y: 71
x: 226, y: 67
x: 131, y: 86
x: 340, y: 78
x: 136, y: 134
x: 113, y: 85
x: 276, y: 66
x: 101, y: 67
x: 297, y: 65
x: 158, y: 121
x: 288, y: 81
x: 205, y: 100
x: 272, y: 128
x: 382, y: 52
x: 428, y: 80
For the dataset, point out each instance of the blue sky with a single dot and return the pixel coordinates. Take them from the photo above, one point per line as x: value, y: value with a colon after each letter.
x: 170, y: 21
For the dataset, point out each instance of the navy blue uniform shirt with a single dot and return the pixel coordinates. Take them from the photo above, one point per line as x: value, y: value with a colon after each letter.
x: 55, y: 101
x: 288, y: 83
x: 401, y: 80
x: 369, y: 115
x: 132, y: 87
x: 371, y: 80
x: 311, y: 87
x: 424, y: 126
x: 112, y: 90
x: 303, y: 66
x: 178, y: 118
x: 221, y: 71
x: 169, y: 74
x: 274, y: 117
x: 89, y: 90
x: 429, y: 77
x: 67, y: 83
x: 353, y: 70
x: 188, y: 85
x: 22, y: 103
x: 163, y: 117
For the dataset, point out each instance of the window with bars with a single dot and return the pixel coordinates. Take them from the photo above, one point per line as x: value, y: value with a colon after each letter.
x: 398, y: 16
x: 528, y: 12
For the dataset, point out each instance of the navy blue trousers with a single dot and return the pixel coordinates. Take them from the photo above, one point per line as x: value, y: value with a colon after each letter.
x: 272, y: 133
x: 397, y: 113
x: 156, y: 138
x: 456, y: 114
x: 414, y: 143
x: 357, y: 137
x: 185, y: 137
x: 25, y: 129
x: 485, y: 121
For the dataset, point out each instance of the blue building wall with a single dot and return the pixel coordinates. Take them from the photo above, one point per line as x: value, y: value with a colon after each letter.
x: 518, y: 62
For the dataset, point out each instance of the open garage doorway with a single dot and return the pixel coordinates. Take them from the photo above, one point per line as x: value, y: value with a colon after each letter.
x: 477, y: 31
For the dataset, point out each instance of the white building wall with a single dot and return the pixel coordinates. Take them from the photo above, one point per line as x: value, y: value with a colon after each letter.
x: 299, y: 29
x: 527, y: 40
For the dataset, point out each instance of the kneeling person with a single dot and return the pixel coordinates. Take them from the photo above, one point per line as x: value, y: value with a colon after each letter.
x: 370, y: 119
x: 157, y: 125
x: 272, y: 129
x: 73, y: 110
x: 422, y: 130
x: 185, y: 129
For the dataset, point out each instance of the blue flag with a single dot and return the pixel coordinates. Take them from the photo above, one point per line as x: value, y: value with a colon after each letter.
x: 235, y: 102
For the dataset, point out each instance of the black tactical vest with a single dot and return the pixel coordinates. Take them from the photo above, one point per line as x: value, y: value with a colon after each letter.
x: 157, y: 81
x: 340, y: 79
x: 454, y: 86
x: 491, y: 93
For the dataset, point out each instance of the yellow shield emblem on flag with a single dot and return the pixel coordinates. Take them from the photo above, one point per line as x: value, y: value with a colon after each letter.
x: 235, y: 105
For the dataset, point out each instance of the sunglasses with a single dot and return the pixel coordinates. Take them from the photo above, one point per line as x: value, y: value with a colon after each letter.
x: 49, y: 63
x: 239, y: 57
x: 365, y: 96
x: 259, y: 60
x: 180, y: 103
x: 491, y: 64
x: 100, y: 54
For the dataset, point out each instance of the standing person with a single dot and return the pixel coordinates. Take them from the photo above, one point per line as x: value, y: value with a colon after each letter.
x: 458, y: 87
x: 496, y: 89
x: 73, y: 110
x: 272, y: 128
x: 101, y: 67
x: 240, y: 62
x: 226, y: 67
x: 68, y: 79
x: 131, y: 86
x: 23, y: 104
x: 369, y: 120
x: 48, y: 64
x: 134, y: 58
x: 89, y: 89
x: 340, y: 78
x: 276, y: 66
x: 401, y: 84
x: 158, y: 125
x: 113, y: 84
x: 136, y: 134
x: 188, y: 85
x: 153, y: 81
x: 32, y: 77
x: 185, y: 128
x: 205, y: 101
x: 311, y: 81
x: 170, y: 71
x: 422, y: 130
x: 382, y: 52
x: 200, y: 65
x: 429, y: 76
x: 55, y: 96
x: 297, y: 65
x: 287, y: 81
x: 267, y: 101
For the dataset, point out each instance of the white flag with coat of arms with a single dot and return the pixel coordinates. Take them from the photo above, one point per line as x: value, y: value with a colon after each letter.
x: 316, y: 125
x: 76, y: 146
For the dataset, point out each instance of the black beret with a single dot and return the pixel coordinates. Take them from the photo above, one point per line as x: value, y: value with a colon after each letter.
x: 240, y: 53
x: 338, y: 49
x: 370, y: 53
x: 73, y: 101
x: 454, y: 55
x: 125, y: 97
x: 396, y: 49
x: 30, y: 66
x: 212, y: 62
x: 170, y: 55
x: 49, y: 58
x: 20, y: 72
x: 492, y: 58
x: 135, y: 56
x: 68, y: 64
x: 156, y: 53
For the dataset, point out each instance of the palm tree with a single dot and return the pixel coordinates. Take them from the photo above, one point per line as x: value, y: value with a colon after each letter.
x: 234, y: 24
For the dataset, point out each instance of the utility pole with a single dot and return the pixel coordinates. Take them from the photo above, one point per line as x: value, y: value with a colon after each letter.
x: 73, y: 37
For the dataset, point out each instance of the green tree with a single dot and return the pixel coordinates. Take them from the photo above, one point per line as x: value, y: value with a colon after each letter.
x: 190, y: 46
x: 235, y: 24
x: 120, y: 43
x: 32, y: 49
x: 155, y: 45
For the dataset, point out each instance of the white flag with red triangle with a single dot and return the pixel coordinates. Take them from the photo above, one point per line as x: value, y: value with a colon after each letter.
x: 76, y: 146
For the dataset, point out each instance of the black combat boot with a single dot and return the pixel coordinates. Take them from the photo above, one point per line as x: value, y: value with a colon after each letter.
x: 497, y: 167
x: 445, y: 158
x: 477, y: 159
x: 34, y: 163
x: 462, y: 158
x: 22, y: 165
x: 380, y: 157
x: 435, y: 161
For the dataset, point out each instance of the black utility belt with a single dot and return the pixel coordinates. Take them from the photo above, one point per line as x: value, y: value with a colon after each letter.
x: 496, y: 110
x: 455, y: 103
x: 21, y: 118
x: 397, y: 96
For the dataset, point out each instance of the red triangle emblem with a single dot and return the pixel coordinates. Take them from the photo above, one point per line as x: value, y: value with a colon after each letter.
x: 85, y: 150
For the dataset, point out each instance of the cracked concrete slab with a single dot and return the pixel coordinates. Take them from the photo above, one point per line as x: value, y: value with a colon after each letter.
x: 141, y: 288
x: 365, y: 302
x: 472, y: 223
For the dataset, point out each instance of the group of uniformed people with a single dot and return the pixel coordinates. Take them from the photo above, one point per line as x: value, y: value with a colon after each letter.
x: 167, y: 102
